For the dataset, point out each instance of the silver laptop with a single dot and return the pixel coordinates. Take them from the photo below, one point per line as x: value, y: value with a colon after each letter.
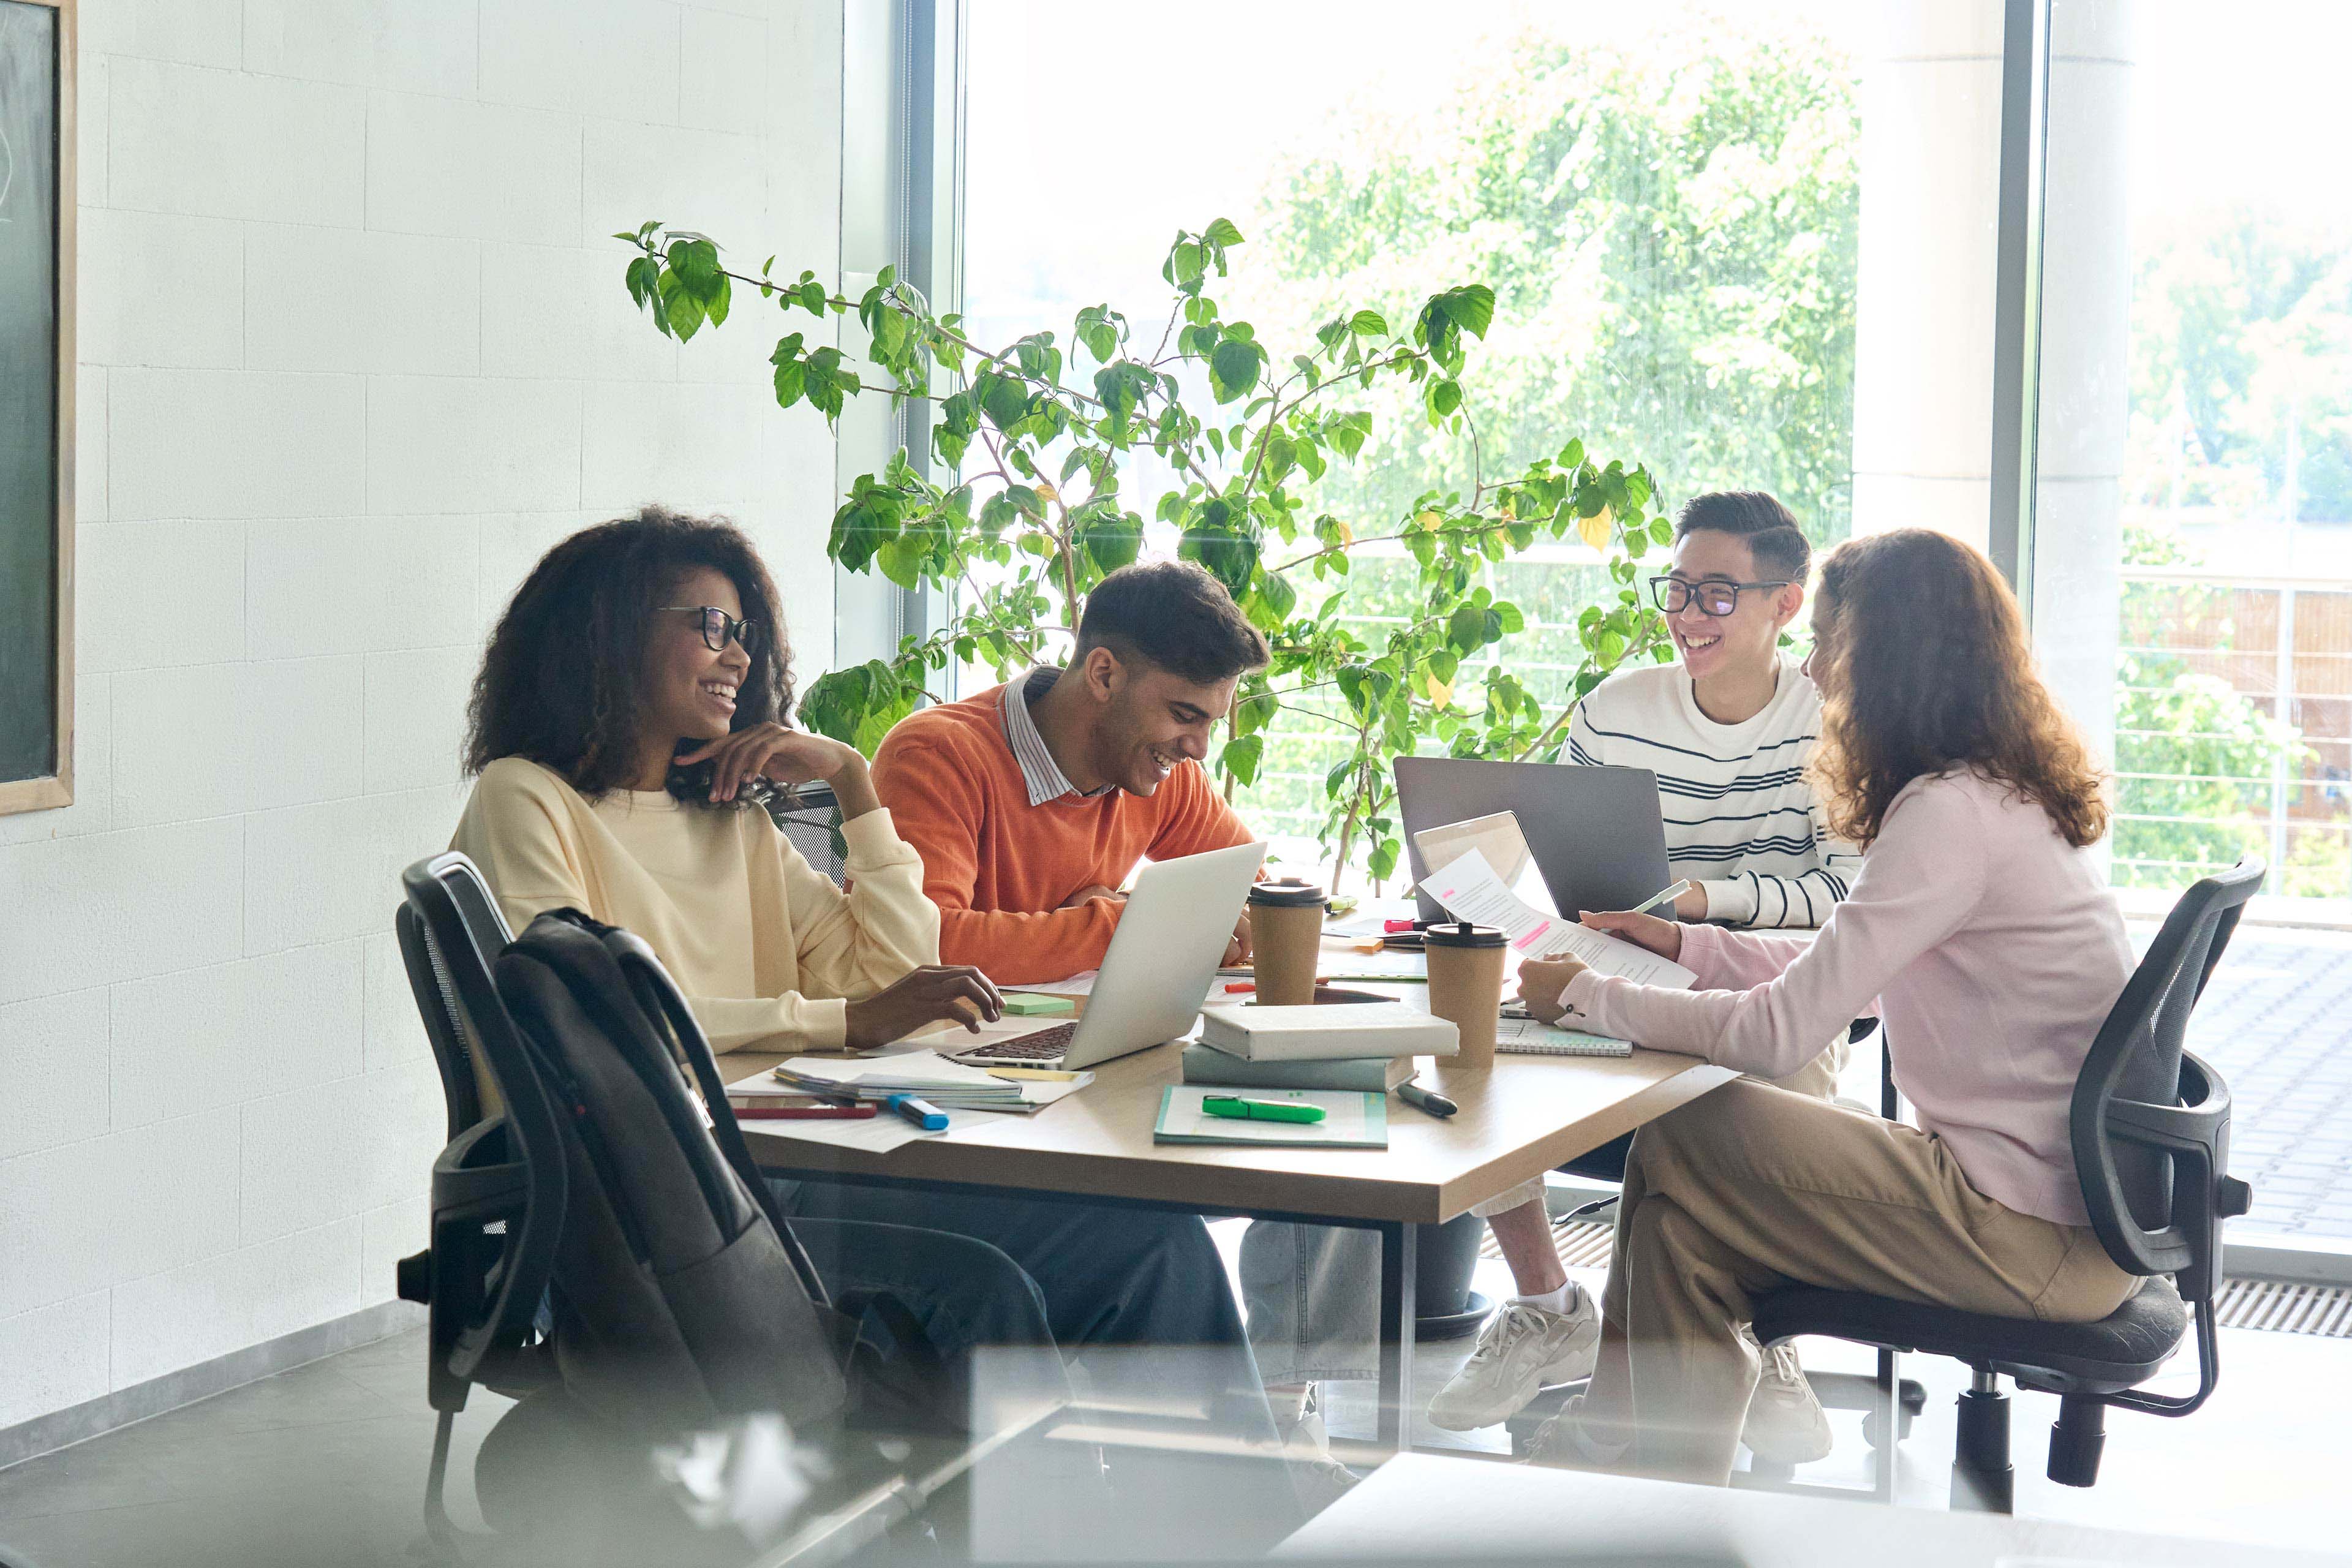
x: 1161, y: 962
x: 1596, y: 834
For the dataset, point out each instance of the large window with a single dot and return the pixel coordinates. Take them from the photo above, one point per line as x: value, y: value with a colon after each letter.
x: 1666, y: 201
x: 2197, y: 472
x: 2192, y: 562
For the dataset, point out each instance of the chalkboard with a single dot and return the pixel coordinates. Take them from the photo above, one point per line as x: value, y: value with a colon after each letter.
x: 35, y: 404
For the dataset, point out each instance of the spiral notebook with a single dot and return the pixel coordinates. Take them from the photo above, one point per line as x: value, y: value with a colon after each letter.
x: 1525, y: 1037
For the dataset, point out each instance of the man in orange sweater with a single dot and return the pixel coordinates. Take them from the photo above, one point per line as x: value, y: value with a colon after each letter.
x: 1031, y: 802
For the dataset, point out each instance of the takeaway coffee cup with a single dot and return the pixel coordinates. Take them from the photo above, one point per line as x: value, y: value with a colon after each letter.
x: 1287, y: 932
x: 1465, y: 985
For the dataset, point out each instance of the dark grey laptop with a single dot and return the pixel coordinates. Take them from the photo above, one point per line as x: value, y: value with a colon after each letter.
x: 1596, y: 833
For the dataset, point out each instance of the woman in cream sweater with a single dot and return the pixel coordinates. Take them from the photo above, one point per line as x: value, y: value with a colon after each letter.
x: 630, y: 706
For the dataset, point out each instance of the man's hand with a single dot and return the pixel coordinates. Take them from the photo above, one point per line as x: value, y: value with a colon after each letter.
x: 1663, y: 938
x: 1092, y: 891
x: 955, y: 991
x: 1690, y: 904
x: 788, y: 757
x: 1238, y: 950
x: 1541, y: 980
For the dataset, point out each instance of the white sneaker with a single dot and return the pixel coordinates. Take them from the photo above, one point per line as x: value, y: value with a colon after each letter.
x: 1565, y: 1442
x: 1785, y: 1423
x: 1521, y: 1349
x: 1319, y: 1480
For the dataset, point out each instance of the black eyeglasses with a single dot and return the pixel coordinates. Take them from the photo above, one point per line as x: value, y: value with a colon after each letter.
x: 1714, y: 598
x: 718, y: 626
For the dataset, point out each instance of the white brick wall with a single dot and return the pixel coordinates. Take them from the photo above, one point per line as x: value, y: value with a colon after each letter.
x: 355, y: 352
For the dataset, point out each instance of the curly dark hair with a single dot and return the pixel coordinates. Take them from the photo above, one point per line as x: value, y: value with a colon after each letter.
x: 1924, y: 665
x: 562, y: 681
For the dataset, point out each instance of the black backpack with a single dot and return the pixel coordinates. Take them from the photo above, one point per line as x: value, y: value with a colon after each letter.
x: 680, y: 1296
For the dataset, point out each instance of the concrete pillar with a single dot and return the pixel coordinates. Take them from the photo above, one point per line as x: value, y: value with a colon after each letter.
x: 1923, y: 339
x: 2086, y: 275
x: 1930, y: 200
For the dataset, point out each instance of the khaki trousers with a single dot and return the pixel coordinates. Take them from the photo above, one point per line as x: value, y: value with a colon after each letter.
x: 1749, y: 1188
x: 1818, y: 1077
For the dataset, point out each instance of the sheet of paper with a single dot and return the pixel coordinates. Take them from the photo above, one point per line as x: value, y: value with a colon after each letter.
x: 1339, y: 962
x: 1079, y: 984
x: 903, y: 1067
x: 1343, y: 1115
x: 1498, y: 837
x: 875, y: 1134
x: 1470, y: 891
x: 1599, y: 951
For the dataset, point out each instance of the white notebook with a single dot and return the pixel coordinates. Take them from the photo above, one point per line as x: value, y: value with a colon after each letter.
x: 1525, y: 1037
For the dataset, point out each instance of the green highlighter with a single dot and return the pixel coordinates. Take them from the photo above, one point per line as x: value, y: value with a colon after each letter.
x: 1239, y: 1110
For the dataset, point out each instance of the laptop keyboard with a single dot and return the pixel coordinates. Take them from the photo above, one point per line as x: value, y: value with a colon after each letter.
x: 1043, y: 1046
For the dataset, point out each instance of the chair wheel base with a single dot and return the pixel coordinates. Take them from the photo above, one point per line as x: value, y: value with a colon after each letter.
x: 2077, y: 1439
x: 1983, y: 1481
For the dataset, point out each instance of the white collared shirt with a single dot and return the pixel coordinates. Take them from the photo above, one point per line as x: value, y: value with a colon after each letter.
x: 1039, y: 771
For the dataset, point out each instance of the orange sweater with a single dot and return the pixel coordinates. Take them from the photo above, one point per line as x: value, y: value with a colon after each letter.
x: 999, y: 867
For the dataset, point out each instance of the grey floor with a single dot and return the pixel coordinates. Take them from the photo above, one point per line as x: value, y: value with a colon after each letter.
x: 326, y: 1464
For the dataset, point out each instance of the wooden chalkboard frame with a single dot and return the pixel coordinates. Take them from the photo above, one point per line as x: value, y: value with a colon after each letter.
x: 57, y: 789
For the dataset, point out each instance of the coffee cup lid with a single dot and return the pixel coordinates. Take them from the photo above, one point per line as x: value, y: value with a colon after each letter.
x: 1461, y: 934
x: 1287, y: 894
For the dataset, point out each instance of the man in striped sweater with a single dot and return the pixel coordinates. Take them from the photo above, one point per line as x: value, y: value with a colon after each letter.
x: 1728, y: 729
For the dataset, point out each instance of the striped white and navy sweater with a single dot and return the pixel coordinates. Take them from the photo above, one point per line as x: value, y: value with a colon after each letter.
x: 1741, y: 822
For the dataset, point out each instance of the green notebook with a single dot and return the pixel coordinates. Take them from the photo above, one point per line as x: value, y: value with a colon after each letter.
x: 1351, y: 1120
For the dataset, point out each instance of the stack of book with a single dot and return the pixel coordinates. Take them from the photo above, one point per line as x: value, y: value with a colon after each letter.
x: 1364, y: 1046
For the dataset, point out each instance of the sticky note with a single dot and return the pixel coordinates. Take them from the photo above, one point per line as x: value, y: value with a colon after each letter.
x: 1029, y: 1004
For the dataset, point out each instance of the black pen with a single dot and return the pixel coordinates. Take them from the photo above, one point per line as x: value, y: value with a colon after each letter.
x: 1419, y: 1099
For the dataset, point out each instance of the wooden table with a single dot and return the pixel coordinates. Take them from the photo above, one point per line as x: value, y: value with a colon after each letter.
x: 1518, y: 1119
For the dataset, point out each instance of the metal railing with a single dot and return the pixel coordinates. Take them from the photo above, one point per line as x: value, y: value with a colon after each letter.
x: 2282, y: 647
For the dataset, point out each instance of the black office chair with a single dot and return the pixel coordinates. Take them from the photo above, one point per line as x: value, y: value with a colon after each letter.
x: 548, y: 1470
x: 2150, y: 1132
x: 499, y: 1188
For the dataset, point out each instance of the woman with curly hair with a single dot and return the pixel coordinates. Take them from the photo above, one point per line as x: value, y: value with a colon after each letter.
x: 1977, y: 929
x: 630, y: 707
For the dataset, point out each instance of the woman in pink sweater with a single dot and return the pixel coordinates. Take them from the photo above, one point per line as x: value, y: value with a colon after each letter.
x: 1978, y: 929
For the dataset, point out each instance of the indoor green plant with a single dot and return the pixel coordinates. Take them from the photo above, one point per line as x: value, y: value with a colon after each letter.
x: 1032, y: 512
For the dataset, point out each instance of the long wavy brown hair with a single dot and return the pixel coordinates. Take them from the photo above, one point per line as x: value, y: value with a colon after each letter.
x: 563, y: 682
x: 1921, y: 655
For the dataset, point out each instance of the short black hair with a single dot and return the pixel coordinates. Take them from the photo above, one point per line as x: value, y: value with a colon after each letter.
x: 1779, y: 546
x: 1172, y: 615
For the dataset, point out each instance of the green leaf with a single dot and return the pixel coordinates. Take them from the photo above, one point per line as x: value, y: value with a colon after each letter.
x: 1221, y: 233
x: 1112, y: 539
x: 1367, y: 324
x: 1384, y: 858
x: 1234, y: 368
x: 1241, y: 757
x: 643, y: 277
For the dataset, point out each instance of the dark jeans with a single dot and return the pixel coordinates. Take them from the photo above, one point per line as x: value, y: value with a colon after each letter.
x: 1139, y: 1300
x: 967, y: 1295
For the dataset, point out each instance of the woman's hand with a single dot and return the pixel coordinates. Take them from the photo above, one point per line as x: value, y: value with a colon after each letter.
x: 954, y: 992
x: 1663, y: 938
x: 1239, y: 949
x: 787, y: 757
x: 1690, y: 904
x: 1541, y: 981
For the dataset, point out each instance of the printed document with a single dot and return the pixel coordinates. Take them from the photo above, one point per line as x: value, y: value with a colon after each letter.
x: 1470, y: 891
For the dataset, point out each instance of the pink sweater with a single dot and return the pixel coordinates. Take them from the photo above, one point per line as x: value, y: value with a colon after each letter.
x: 1984, y: 942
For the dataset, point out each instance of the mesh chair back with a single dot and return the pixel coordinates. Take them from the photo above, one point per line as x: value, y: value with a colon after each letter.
x: 2138, y: 1065
x: 445, y: 1025
x: 810, y: 820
